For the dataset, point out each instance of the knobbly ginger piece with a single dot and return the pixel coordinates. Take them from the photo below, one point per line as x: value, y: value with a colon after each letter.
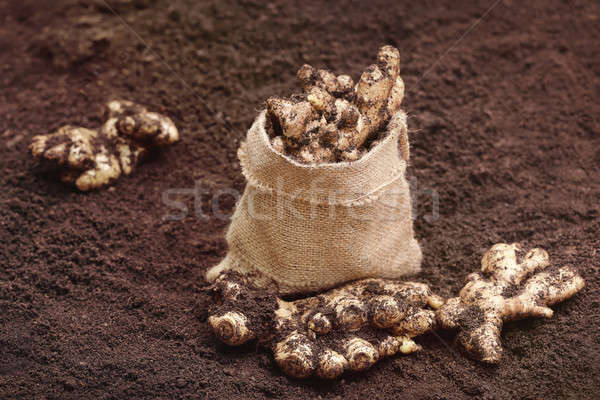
x: 94, y: 158
x: 500, y: 294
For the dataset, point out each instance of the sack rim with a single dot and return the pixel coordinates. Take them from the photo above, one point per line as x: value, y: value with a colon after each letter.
x: 350, y: 182
x: 262, y: 119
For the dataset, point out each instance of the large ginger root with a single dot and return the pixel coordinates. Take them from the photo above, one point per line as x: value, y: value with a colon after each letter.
x: 352, y: 327
x: 93, y: 158
x: 349, y: 328
x: 334, y: 118
x: 500, y: 295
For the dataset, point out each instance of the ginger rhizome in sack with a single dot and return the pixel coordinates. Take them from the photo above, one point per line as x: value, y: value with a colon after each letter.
x: 326, y: 198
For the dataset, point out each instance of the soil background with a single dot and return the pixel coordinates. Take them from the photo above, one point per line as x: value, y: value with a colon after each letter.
x: 103, y: 297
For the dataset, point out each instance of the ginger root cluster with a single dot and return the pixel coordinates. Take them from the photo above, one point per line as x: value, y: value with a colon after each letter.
x: 334, y: 119
x: 352, y: 327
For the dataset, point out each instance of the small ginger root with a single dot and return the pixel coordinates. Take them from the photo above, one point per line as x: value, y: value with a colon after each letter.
x: 94, y: 158
x: 334, y: 118
x: 500, y: 295
x: 234, y: 294
x: 231, y: 328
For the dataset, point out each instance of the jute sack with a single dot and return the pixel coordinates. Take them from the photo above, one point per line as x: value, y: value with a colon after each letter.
x: 313, y: 227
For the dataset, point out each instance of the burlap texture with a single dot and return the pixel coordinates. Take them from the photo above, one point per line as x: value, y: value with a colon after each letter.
x: 313, y: 227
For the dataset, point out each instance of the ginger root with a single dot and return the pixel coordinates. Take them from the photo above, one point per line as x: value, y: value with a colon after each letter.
x: 333, y: 119
x: 231, y: 328
x: 352, y: 327
x: 235, y: 295
x: 94, y: 158
x: 500, y: 295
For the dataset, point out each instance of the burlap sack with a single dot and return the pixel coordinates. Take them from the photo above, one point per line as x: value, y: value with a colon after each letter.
x: 312, y: 227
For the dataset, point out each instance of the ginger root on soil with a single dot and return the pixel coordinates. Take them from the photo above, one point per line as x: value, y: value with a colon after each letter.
x: 502, y: 295
x: 351, y: 327
x: 333, y: 119
x: 348, y: 328
x: 94, y: 158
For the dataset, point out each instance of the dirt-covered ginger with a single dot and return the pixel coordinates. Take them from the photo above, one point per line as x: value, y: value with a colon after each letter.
x: 334, y: 119
x: 502, y: 294
x: 93, y: 158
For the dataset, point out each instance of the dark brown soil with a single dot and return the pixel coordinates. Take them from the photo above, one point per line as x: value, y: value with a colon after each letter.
x: 103, y: 298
